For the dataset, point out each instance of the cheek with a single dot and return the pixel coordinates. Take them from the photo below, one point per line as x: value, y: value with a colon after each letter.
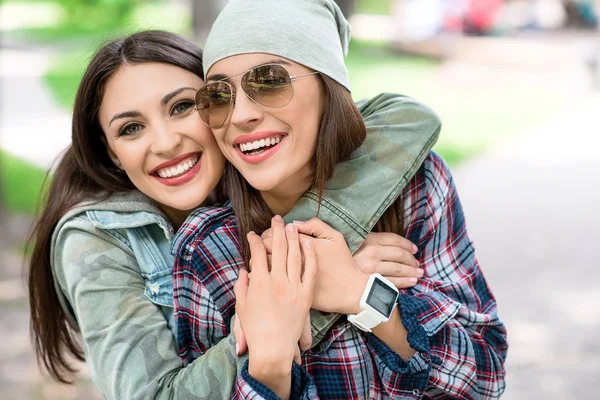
x: 219, y: 137
x: 130, y: 155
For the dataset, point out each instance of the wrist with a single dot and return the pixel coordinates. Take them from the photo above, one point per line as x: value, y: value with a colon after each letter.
x: 277, y: 376
x: 355, y: 292
x: 263, y: 369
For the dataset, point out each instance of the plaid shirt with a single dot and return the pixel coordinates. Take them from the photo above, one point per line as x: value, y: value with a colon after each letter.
x: 450, y: 315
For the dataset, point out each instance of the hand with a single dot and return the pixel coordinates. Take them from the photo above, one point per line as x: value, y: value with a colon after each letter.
x: 390, y: 255
x: 339, y: 283
x: 272, y: 307
x: 303, y: 344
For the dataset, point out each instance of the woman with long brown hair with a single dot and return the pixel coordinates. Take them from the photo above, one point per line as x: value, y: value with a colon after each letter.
x: 100, y: 276
x: 278, y: 101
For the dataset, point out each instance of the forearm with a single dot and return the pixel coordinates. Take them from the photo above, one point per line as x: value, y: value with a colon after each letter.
x: 394, y: 335
x: 130, y: 349
x: 459, y: 352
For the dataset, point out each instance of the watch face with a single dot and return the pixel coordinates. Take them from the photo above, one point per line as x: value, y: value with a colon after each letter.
x: 382, y: 298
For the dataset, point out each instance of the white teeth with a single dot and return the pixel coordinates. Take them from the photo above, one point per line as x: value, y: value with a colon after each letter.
x: 177, y: 170
x: 257, y: 144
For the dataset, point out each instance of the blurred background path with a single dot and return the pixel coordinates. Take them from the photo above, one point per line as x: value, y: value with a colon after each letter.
x: 520, y: 117
x: 532, y: 210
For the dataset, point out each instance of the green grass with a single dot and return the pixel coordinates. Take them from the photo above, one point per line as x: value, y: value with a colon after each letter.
x: 22, y: 183
x: 474, y: 119
x: 382, y: 7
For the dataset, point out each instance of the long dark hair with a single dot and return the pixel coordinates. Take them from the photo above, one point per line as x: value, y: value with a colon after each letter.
x: 87, y: 172
x: 342, y: 130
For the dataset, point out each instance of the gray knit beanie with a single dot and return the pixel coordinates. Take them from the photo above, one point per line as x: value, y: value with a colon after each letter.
x: 313, y: 33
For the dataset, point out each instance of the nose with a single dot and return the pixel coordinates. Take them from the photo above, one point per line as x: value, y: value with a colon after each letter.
x: 246, y: 113
x: 165, y: 140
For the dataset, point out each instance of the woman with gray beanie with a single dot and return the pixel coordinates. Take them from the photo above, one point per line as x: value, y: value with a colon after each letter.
x: 277, y: 97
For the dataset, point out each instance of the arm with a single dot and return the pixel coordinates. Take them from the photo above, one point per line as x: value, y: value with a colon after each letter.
x: 272, y: 308
x: 302, y: 386
x: 450, y: 318
x: 129, y: 348
x: 400, y: 134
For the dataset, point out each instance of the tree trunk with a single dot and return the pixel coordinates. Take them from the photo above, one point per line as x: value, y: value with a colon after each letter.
x: 204, y: 14
x: 347, y: 7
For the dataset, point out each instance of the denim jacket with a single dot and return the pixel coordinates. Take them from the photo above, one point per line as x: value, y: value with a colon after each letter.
x: 113, y: 269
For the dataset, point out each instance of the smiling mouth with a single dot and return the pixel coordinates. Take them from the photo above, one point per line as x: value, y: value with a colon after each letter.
x: 178, y: 170
x: 259, y: 146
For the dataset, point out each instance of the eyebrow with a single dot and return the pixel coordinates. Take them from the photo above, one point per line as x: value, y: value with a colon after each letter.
x: 223, y: 77
x: 163, y: 102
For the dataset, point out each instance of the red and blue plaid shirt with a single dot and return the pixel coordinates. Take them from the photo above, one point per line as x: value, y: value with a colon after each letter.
x: 450, y: 315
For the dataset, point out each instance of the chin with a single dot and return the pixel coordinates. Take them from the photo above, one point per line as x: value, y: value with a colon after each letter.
x: 263, y: 185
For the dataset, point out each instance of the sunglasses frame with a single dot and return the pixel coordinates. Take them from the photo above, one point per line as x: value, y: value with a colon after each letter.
x: 228, y: 81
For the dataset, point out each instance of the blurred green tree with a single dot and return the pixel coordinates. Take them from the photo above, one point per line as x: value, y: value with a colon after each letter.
x: 97, y: 12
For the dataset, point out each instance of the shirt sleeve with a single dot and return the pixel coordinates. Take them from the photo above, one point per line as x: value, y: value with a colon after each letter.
x: 303, y: 386
x: 129, y: 349
x: 451, y: 315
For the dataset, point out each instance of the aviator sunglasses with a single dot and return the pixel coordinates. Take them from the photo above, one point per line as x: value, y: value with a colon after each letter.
x: 269, y: 85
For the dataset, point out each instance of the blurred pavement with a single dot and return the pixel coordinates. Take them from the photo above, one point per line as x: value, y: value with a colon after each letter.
x: 532, y: 209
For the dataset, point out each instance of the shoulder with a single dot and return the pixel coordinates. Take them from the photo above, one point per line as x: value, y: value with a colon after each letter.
x: 433, y: 179
x: 430, y: 192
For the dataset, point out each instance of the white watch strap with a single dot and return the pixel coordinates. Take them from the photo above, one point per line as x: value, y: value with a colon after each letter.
x: 365, y: 320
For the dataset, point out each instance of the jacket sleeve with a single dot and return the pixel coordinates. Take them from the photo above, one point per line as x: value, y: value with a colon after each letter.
x: 400, y: 133
x: 451, y: 315
x: 129, y: 349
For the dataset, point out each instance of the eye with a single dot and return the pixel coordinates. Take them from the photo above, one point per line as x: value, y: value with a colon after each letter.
x: 130, y: 129
x: 182, y: 107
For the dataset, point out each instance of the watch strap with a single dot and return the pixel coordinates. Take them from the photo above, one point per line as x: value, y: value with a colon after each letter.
x: 365, y: 320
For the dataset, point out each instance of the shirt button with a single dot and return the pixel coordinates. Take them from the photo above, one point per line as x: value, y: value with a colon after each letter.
x: 416, y: 392
x: 443, y: 317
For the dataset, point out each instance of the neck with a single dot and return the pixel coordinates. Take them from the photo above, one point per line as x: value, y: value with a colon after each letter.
x: 284, y: 197
x: 176, y: 217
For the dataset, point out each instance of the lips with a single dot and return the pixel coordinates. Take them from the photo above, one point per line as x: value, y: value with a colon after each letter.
x: 173, y: 162
x: 258, y: 146
x: 182, y: 169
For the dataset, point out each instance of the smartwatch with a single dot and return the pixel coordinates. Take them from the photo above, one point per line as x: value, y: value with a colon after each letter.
x: 377, y: 303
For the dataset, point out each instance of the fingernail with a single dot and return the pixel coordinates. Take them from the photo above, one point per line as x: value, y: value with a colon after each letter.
x: 290, y: 227
x: 277, y: 218
x: 237, y: 349
x: 251, y: 233
x: 418, y: 263
x: 415, y: 248
x: 420, y: 271
x: 413, y: 280
x: 298, y: 222
x: 308, y: 244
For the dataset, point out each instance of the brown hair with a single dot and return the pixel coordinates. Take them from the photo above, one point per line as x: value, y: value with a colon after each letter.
x: 87, y: 172
x: 342, y: 131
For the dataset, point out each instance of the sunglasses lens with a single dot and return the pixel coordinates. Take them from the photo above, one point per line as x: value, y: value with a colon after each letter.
x: 213, y: 101
x: 269, y: 85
